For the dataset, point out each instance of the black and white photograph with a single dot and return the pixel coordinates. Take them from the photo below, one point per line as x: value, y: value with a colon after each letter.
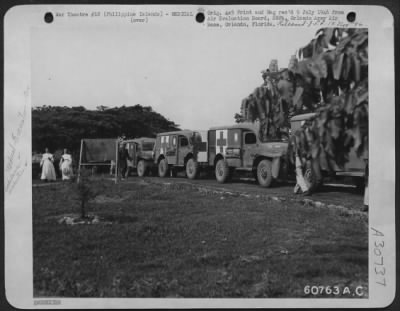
x: 199, y: 152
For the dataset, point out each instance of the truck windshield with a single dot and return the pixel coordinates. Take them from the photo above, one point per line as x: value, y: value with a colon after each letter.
x: 183, y: 141
x: 147, y: 146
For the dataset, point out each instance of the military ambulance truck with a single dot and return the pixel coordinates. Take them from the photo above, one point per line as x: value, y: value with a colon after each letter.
x: 355, y: 168
x: 141, y: 152
x: 239, y: 148
x: 181, y: 150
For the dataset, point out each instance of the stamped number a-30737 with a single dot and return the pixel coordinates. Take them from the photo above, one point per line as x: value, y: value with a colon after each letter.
x: 379, y: 264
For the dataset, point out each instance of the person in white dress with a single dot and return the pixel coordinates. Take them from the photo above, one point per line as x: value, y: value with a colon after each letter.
x: 48, y: 171
x: 66, y: 165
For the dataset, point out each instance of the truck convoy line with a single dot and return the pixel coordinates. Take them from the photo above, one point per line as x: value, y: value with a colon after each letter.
x: 225, y: 150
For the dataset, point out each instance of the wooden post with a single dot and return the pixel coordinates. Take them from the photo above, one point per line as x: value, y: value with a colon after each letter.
x: 80, y: 161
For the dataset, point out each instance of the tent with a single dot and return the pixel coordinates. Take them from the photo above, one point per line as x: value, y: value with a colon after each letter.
x: 98, y: 152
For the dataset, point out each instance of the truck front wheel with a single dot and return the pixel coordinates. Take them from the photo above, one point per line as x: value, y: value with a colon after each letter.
x: 264, y: 173
x: 221, y: 171
x: 141, y: 168
x: 192, y: 169
x: 163, y: 168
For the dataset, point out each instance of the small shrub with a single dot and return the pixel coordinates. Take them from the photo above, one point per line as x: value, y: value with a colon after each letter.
x: 86, y: 189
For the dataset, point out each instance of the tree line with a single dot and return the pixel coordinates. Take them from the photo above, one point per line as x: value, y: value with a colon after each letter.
x: 64, y: 127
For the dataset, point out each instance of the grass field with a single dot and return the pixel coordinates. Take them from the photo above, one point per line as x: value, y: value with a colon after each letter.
x: 170, y: 240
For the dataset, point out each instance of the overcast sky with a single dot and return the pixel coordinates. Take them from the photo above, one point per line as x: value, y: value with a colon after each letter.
x: 192, y: 75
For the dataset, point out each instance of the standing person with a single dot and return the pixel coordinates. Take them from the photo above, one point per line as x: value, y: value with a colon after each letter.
x: 300, y: 181
x: 48, y: 171
x: 66, y: 165
x: 112, y: 167
x: 123, y: 156
x: 301, y: 184
x: 129, y: 167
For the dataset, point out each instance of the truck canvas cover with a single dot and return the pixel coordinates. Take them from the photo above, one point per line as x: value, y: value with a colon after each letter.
x: 98, y: 150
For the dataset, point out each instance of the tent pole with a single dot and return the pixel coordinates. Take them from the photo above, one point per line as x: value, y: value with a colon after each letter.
x: 80, y: 161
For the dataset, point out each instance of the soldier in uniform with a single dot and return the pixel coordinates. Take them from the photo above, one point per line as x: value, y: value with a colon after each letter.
x: 123, y: 157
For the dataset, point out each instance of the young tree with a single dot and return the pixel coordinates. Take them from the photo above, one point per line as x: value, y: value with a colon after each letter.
x: 86, y: 189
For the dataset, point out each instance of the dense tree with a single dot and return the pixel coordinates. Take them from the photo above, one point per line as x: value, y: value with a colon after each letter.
x: 64, y: 127
x: 330, y: 79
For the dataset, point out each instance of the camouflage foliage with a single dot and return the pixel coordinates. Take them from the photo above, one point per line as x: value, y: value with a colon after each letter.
x: 330, y: 79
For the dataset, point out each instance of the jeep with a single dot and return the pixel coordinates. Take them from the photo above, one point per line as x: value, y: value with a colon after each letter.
x: 141, y: 152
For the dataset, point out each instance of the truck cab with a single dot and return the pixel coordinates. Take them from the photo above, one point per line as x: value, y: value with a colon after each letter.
x: 239, y: 148
x: 141, y: 152
x: 180, y: 150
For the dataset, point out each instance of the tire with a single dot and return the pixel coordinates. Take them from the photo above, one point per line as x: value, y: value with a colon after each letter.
x: 192, y: 169
x: 310, y: 177
x: 264, y: 173
x: 163, y: 168
x: 222, y: 171
x: 141, y: 168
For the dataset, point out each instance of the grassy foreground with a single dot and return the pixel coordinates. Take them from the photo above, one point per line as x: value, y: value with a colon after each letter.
x: 173, y: 241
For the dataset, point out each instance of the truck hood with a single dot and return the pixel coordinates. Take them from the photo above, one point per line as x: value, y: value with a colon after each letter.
x: 273, y: 149
x: 147, y: 155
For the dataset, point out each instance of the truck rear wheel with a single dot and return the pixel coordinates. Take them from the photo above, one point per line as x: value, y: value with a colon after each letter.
x: 141, y: 168
x: 192, y: 169
x: 264, y: 173
x: 310, y: 177
x: 221, y: 171
x: 163, y: 168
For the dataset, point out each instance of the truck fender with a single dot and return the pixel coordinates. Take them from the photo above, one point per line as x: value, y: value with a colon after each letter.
x: 187, y: 157
x: 275, y: 161
x: 217, y: 158
x: 160, y: 158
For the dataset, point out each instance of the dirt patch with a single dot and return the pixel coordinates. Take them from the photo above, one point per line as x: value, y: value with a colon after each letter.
x: 105, y: 219
x: 78, y: 220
